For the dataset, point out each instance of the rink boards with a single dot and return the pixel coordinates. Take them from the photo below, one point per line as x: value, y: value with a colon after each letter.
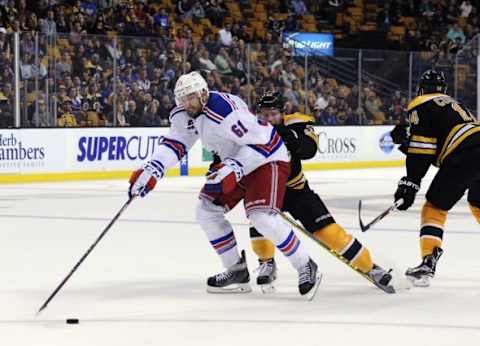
x: 28, y: 155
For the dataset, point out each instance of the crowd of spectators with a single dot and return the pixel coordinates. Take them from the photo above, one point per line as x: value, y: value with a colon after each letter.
x: 86, y: 63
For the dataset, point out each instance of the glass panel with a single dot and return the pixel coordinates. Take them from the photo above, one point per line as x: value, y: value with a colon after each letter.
x: 465, y: 82
x: 105, y: 80
x: 273, y: 67
x: 7, y: 81
x: 34, y: 75
x: 80, y: 86
x: 333, y: 88
x: 145, y: 72
x: 385, y: 83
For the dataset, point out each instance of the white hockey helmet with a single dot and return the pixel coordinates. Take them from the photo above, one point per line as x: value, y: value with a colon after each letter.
x: 188, y: 84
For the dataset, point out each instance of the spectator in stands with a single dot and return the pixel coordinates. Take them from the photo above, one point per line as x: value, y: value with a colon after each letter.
x: 184, y: 8
x: 455, y: 34
x: 65, y: 117
x: 6, y: 109
x: 132, y: 114
x: 28, y: 69
x: 161, y: 19
x: 225, y: 35
x: 121, y: 119
x: 298, y: 7
x: 204, y: 60
x: 373, y: 108
x: 197, y: 10
x: 426, y: 8
x: 143, y: 81
x: 327, y: 116
x: 465, y: 8
x: 148, y: 111
x: 48, y: 26
x: 165, y: 106
x: 216, y: 11
x: 224, y: 62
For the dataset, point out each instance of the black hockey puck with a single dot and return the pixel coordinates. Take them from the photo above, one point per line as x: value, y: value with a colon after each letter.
x: 72, y: 321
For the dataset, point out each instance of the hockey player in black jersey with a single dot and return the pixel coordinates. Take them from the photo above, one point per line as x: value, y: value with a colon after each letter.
x: 303, y: 203
x: 445, y: 134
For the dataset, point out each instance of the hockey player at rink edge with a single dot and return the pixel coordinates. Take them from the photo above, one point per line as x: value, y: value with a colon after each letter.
x: 254, y: 168
x: 445, y: 134
x: 302, y: 202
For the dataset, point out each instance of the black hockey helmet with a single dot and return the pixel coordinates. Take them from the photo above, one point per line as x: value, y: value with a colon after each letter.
x: 271, y: 99
x: 432, y: 81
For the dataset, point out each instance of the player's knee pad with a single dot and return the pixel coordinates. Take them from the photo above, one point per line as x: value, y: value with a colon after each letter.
x: 475, y: 211
x: 210, y: 216
x: 337, y: 239
x: 431, y: 233
x: 269, y: 225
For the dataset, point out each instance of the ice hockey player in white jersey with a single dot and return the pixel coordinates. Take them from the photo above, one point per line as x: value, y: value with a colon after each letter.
x: 254, y: 168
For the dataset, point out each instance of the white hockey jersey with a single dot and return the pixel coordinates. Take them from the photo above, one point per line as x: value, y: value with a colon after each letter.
x: 225, y: 127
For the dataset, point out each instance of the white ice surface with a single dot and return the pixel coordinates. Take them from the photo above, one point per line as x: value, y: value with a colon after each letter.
x: 144, y: 284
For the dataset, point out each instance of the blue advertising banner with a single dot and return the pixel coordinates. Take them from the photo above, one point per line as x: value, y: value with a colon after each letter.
x: 309, y: 43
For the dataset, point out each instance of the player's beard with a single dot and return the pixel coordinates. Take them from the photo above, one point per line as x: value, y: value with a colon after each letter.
x: 194, y: 115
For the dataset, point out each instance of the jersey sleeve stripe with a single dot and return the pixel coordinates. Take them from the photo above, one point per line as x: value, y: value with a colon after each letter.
x: 269, y: 148
x: 177, y: 147
x: 229, y: 100
x: 422, y: 145
x: 421, y: 151
x: 423, y: 139
x: 212, y: 116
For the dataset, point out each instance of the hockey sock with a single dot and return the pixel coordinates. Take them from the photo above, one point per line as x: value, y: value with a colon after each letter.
x: 219, y: 232
x: 431, y: 233
x: 262, y: 247
x: 274, y: 228
x: 475, y: 211
x: 336, y: 238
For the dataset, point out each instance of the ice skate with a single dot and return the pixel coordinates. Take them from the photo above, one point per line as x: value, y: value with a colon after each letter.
x: 309, y: 279
x: 234, y: 280
x: 267, y: 274
x: 381, y: 278
x: 421, y: 275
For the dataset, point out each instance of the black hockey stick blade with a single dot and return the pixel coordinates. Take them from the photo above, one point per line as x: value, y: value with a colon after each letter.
x: 74, y: 269
x: 362, y: 226
x: 366, y: 227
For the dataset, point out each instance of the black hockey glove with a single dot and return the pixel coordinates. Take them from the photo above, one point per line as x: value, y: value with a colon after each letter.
x: 288, y: 136
x: 400, y: 133
x: 407, y: 190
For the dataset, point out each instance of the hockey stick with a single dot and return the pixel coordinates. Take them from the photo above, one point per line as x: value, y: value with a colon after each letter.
x: 115, y: 218
x: 295, y: 225
x: 366, y: 227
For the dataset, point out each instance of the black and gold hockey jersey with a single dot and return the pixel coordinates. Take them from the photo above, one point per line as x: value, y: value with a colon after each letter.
x: 440, y: 128
x: 302, y: 142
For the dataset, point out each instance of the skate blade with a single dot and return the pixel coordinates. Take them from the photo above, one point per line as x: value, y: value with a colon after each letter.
x: 268, y: 288
x: 235, y: 288
x: 313, y: 292
x: 422, y: 282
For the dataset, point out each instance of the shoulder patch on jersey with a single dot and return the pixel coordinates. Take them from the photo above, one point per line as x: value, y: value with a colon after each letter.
x: 417, y: 101
x: 175, y: 111
x: 219, y: 106
x: 296, y: 118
